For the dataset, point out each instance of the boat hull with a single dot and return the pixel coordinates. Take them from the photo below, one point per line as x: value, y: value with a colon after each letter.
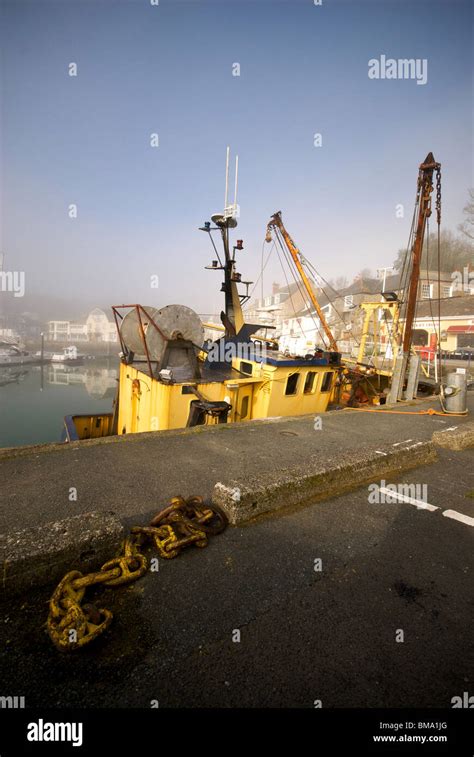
x: 77, y: 427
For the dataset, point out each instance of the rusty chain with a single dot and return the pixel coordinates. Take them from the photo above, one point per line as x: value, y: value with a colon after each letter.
x: 71, y: 624
x: 438, y: 194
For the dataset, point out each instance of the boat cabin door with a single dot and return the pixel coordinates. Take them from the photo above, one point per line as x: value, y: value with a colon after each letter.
x: 243, y: 405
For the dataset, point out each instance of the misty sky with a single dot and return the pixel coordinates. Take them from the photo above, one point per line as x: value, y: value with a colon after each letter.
x: 167, y: 69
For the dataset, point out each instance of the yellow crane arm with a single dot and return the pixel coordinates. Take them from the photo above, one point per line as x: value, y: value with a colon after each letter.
x: 276, y: 220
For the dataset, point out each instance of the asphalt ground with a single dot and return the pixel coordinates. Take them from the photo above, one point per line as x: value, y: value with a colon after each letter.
x: 305, y: 635
x: 135, y: 475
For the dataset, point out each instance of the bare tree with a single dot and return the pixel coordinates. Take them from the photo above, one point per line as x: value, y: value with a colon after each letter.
x: 341, y: 283
x: 335, y: 285
x: 455, y: 253
x: 366, y: 273
x: 467, y: 226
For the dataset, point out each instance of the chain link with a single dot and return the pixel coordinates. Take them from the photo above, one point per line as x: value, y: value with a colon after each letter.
x: 438, y: 194
x: 72, y: 625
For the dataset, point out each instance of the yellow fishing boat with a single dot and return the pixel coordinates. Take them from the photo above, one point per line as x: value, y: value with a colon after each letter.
x: 171, y: 377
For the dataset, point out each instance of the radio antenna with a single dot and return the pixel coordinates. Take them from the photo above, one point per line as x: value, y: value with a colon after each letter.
x: 226, y: 180
x: 236, y: 181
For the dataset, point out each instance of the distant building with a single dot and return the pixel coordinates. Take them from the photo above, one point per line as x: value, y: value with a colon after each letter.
x: 457, y: 324
x: 271, y: 309
x: 298, y: 327
x: 96, y: 328
x: 66, y: 331
x: 99, y: 328
x: 277, y: 308
x: 9, y: 335
x: 20, y: 327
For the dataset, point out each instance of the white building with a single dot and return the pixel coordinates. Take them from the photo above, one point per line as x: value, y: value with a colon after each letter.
x: 9, y: 335
x: 97, y: 328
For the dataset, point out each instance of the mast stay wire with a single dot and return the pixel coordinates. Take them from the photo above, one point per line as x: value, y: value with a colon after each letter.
x: 318, y: 275
x: 260, y: 277
x: 405, y: 270
x: 407, y: 261
x: 404, y: 275
x: 437, y: 330
x: 402, y: 285
x: 291, y: 265
x: 290, y: 293
x: 262, y: 268
x: 296, y: 276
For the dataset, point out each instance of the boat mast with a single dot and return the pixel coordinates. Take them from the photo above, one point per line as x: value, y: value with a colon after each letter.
x: 424, y: 190
x: 232, y: 318
x: 276, y: 221
x: 406, y: 366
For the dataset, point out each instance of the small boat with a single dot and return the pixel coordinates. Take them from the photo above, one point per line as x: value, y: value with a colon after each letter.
x: 12, y: 354
x: 69, y: 356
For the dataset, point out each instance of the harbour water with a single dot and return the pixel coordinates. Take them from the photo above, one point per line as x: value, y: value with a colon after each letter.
x: 34, y: 399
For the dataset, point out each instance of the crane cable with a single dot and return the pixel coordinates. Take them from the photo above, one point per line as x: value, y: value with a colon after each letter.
x: 262, y: 268
x: 316, y: 273
x: 405, y: 269
x: 298, y: 319
x: 292, y: 266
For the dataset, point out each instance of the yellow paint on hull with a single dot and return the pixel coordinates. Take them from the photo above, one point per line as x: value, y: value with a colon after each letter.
x: 146, y: 404
x: 88, y: 426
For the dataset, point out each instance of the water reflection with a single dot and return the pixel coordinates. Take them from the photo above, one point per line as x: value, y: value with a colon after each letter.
x: 35, y: 398
x: 99, y: 382
x: 12, y: 375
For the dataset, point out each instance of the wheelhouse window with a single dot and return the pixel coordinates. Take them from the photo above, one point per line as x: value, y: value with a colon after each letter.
x: 327, y: 381
x: 292, y: 384
x: 309, y: 382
